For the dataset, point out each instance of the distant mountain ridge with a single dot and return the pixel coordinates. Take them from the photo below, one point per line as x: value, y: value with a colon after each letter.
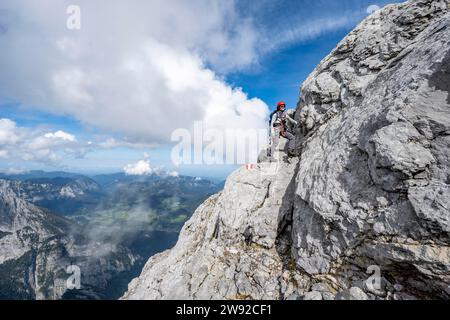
x: 108, y: 225
x: 36, y: 247
x: 69, y: 193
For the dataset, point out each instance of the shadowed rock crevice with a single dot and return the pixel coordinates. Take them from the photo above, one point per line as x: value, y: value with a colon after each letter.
x: 441, y: 78
x: 283, y: 242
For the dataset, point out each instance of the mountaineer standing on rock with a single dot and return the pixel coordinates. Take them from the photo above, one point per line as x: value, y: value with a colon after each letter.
x: 278, y: 128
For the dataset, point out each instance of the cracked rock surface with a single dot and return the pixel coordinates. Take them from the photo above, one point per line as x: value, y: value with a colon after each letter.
x: 368, y: 193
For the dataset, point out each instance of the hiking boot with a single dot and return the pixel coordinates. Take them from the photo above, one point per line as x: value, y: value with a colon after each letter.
x: 292, y: 153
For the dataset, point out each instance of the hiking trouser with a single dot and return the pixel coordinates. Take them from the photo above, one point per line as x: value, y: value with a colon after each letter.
x: 277, y: 132
x: 291, y: 138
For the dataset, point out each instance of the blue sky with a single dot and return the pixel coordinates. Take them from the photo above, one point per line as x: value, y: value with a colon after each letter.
x: 285, y: 71
x: 108, y: 95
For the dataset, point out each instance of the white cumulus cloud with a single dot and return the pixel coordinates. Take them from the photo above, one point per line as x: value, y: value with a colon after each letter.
x: 142, y: 167
x: 23, y: 143
x: 60, y: 135
x: 173, y: 174
x: 372, y: 8
x: 8, y: 132
x: 141, y: 69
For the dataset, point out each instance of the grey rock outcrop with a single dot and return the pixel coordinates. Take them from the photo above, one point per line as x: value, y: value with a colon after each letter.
x: 373, y: 181
x: 229, y: 248
x: 366, y: 204
x: 354, y: 293
x: 312, y: 295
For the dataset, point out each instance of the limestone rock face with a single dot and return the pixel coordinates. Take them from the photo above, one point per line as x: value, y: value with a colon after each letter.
x: 373, y: 180
x: 364, y: 210
x: 230, y: 248
x: 21, y: 223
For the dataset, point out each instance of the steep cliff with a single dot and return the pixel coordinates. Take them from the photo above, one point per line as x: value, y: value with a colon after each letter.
x: 368, y: 192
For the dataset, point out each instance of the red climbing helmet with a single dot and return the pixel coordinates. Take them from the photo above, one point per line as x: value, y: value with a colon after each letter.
x: 281, y: 103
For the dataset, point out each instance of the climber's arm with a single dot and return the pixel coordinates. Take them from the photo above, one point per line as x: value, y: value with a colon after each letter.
x: 291, y: 120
